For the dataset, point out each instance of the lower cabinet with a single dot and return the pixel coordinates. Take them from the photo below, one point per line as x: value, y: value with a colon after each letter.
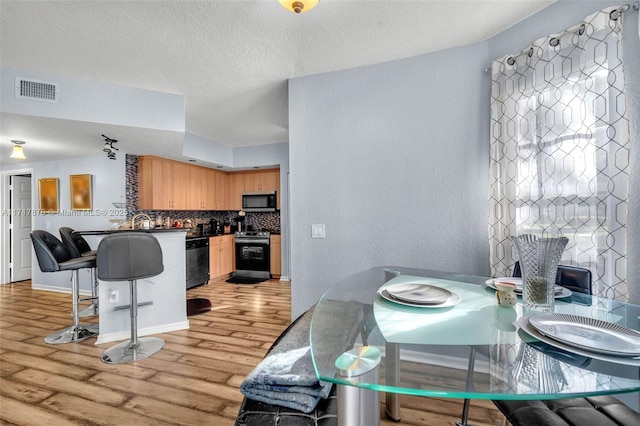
x: 276, y: 256
x: 221, y: 255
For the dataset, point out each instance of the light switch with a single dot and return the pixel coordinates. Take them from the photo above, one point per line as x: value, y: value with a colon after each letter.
x: 317, y: 231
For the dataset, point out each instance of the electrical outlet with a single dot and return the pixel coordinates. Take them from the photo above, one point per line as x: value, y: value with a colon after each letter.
x: 114, y: 296
x: 317, y: 231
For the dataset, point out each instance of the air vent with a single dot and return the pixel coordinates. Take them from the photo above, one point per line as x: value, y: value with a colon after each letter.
x: 36, y: 90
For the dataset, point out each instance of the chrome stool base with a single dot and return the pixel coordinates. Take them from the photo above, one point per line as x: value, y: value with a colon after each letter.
x: 90, y: 311
x: 128, y: 352
x: 72, y: 334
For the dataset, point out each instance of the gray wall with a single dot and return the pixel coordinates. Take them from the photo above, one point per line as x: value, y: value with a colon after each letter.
x: 393, y: 158
x: 389, y: 158
x: 108, y: 186
x: 92, y: 101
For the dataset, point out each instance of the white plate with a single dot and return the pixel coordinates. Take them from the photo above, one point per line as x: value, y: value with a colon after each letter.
x: 588, y: 333
x: 523, y: 324
x: 419, y: 293
x: 560, y: 292
x: 454, y: 299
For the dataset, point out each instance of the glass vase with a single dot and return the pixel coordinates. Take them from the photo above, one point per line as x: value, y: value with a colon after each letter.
x: 539, y: 259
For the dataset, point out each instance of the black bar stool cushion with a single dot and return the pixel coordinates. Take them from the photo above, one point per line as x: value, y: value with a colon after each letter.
x: 75, y: 244
x: 78, y: 263
x: 599, y: 410
x: 50, y: 251
x: 129, y: 256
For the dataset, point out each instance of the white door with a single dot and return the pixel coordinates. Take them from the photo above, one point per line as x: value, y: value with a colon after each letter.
x: 20, y: 255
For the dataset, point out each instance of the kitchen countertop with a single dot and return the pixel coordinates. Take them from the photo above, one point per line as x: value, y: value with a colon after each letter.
x: 116, y: 231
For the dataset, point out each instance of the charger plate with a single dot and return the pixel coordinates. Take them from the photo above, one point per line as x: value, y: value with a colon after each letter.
x: 419, y: 293
x: 588, y: 333
x: 523, y: 324
x: 452, y: 300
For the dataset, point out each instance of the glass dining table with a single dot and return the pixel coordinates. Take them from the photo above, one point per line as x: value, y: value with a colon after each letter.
x: 469, y: 347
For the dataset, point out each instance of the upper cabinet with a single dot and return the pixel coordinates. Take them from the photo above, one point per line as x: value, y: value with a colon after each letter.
x: 172, y: 185
x: 161, y: 184
x: 262, y: 181
x: 221, y: 196
x: 236, y: 188
x: 250, y: 181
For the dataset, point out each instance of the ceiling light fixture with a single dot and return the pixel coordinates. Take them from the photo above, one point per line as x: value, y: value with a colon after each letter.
x: 17, y: 152
x: 109, y: 148
x: 299, y: 6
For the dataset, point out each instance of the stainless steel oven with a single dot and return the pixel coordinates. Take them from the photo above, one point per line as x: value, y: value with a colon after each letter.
x: 253, y: 254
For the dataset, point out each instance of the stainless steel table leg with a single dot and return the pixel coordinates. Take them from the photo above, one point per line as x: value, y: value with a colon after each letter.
x: 392, y: 378
x: 358, y: 406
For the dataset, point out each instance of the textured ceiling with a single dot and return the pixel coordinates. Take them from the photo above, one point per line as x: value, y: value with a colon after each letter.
x: 231, y: 59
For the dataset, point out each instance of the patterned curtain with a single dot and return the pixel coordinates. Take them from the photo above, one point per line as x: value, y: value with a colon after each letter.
x: 560, y: 150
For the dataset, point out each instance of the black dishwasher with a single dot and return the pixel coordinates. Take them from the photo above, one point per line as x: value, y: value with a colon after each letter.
x: 197, y: 262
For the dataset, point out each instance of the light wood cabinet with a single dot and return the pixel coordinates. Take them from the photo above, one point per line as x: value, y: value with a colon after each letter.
x: 221, y: 196
x: 194, y: 189
x: 161, y: 184
x: 221, y: 255
x: 276, y: 255
x: 262, y: 181
x: 172, y: 185
x: 236, y: 188
x: 259, y: 181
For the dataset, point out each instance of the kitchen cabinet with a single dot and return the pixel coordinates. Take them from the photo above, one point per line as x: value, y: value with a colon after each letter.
x: 194, y: 189
x: 236, y: 188
x: 161, y: 184
x: 276, y: 255
x: 262, y: 181
x: 221, y: 255
x: 165, y: 184
x: 250, y: 181
x: 221, y: 193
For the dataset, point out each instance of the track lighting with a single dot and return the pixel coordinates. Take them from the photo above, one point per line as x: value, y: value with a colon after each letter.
x: 109, y: 148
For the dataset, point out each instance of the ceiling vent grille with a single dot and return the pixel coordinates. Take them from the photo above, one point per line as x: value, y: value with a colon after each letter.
x: 36, y: 90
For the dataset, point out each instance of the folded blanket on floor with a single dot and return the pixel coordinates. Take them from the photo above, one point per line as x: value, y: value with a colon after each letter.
x: 286, y: 376
x: 286, y: 379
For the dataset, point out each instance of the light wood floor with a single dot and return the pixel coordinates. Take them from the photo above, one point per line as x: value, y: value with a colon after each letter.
x: 194, y: 380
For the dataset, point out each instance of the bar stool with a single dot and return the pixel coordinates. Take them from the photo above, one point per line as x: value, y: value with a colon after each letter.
x: 78, y: 247
x: 130, y: 256
x: 52, y: 257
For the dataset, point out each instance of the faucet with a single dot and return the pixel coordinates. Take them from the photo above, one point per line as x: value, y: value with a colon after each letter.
x: 133, y: 219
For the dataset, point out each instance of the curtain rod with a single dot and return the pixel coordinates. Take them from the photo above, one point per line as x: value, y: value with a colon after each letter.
x: 614, y: 14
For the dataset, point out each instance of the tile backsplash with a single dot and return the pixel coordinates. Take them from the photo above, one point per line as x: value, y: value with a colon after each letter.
x: 268, y: 220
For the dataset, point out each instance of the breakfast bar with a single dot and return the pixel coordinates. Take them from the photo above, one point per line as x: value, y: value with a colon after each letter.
x: 161, y: 299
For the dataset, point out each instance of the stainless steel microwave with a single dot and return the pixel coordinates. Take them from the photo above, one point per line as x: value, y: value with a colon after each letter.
x: 259, y: 201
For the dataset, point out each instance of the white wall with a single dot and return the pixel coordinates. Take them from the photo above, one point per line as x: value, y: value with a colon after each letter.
x: 108, y: 186
x: 393, y: 159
